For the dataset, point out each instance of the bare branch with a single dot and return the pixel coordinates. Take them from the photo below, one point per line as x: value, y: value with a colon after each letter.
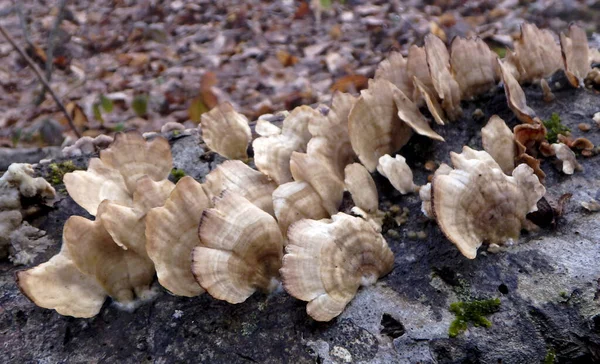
x: 39, y: 75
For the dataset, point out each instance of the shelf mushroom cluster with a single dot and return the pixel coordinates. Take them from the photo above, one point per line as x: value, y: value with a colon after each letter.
x: 245, y: 230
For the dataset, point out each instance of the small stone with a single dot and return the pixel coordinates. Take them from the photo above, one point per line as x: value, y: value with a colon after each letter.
x: 341, y: 353
x: 597, y: 118
x: 430, y: 165
x: 584, y: 126
x: 478, y: 114
x: 393, y: 234
x: 394, y: 209
x: 421, y: 235
x: 411, y: 235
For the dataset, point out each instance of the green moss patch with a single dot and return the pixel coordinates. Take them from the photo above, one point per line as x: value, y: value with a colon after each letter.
x: 177, y: 174
x: 554, y: 127
x: 58, y: 170
x: 473, y: 312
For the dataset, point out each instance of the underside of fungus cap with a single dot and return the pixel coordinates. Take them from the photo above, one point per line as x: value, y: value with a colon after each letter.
x: 374, y: 126
x: 575, y: 55
x: 425, y: 191
x: 538, y: 53
x: 448, y: 90
x: 237, y: 177
x: 361, y: 186
x: 240, y: 249
x: 409, y: 113
x: 568, y: 160
x: 515, y: 96
x: 416, y: 66
x: 226, y: 131
x: 474, y: 66
x: 134, y: 157
x: 327, y: 261
x: 123, y: 274
x: 172, y: 234
x: 127, y: 224
x: 57, y: 284
x: 294, y: 201
x: 312, y: 170
x: 100, y: 182
x: 433, y: 105
x: 483, y: 204
x: 499, y: 141
x: 331, y: 141
x: 397, y: 172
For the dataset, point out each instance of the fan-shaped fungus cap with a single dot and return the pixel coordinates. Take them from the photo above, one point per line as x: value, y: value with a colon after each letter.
x: 330, y: 141
x: 567, y: 158
x: 416, y: 66
x: 474, y: 66
x: 57, y: 284
x: 431, y: 101
x: 237, y: 177
x: 393, y: 69
x: 515, y: 96
x: 529, y: 137
x: 240, y: 252
x: 327, y: 261
x: 134, y: 157
x: 484, y: 204
x: 361, y: 186
x: 127, y: 224
x: 470, y: 158
x: 123, y: 274
x: 398, y: 172
x: 409, y: 113
x: 226, y: 131
x: 448, y: 90
x: 272, y: 153
x: 100, y: 182
x: 172, y: 234
x: 294, y: 201
x: 327, y: 185
x: 374, y: 126
x: 499, y: 142
x: 538, y: 53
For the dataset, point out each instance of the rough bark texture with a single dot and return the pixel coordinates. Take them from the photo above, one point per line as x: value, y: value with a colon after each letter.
x: 548, y: 285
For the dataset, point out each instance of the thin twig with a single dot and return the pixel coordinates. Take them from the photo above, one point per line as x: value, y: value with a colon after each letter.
x: 39, y: 75
x: 50, y: 49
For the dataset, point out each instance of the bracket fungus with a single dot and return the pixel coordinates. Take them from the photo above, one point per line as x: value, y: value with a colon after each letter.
x: 481, y: 204
x: 57, y: 284
x: 537, y: 52
x: 448, y: 90
x: 237, y: 177
x: 327, y: 261
x: 515, y: 95
x: 172, y: 234
x: 226, y: 131
x: 398, y: 172
x: 474, y: 66
x: 294, y: 201
x: 567, y: 160
x: 114, y: 175
x: 499, y: 141
x: 330, y: 139
x: 361, y: 186
x: 272, y: 152
x: 240, y: 249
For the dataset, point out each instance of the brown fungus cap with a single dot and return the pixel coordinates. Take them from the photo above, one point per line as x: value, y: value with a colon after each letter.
x: 361, y: 186
x: 58, y: 284
x: 331, y: 141
x: 474, y: 66
x: 482, y: 204
x: 237, y: 177
x: 272, y: 153
x: 448, y: 90
x: 327, y: 261
x: 499, y: 141
x: 226, y: 131
x: 295, y: 201
x: 172, y: 234
x: 123, y: 274
x: 240, y: 249
x: 515, y: 96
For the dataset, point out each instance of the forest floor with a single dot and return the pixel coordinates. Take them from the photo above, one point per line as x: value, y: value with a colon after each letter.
x: 127, y: 64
